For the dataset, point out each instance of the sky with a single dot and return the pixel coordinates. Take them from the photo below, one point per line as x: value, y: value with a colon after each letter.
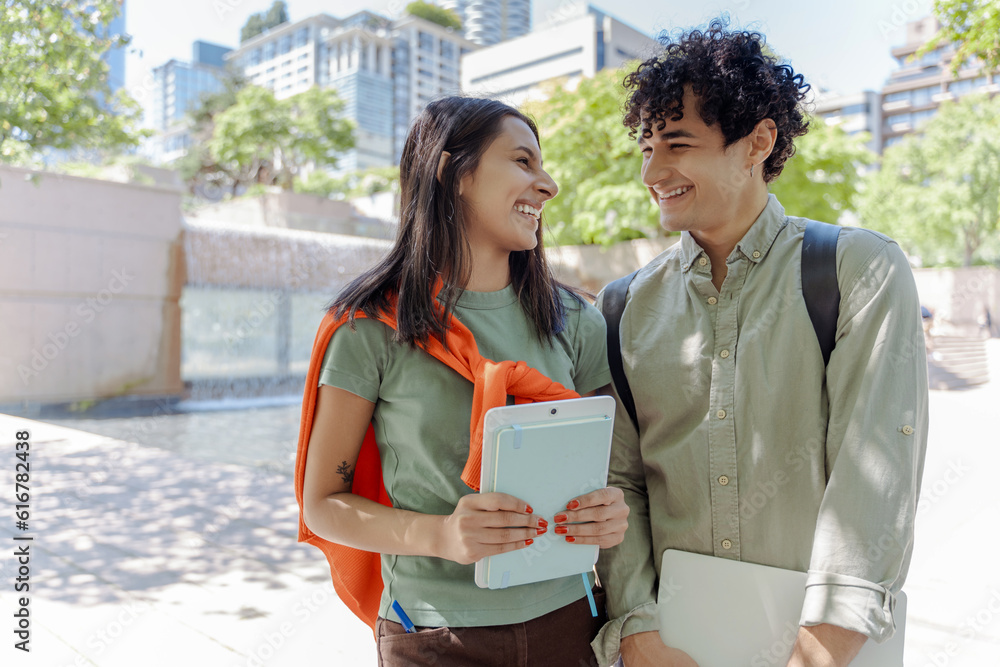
x: 841, y: 46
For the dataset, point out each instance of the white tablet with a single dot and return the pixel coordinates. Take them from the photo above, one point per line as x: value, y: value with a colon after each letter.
x: 546, y: 454
x: 755, y: 608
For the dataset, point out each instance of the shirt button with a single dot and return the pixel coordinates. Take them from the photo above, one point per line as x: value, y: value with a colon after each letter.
x: 907, y: 430
x: 702, y: 262
x: 721, y: 414
x: 685, y: 267
x: 756, y: 254
x: 724, y: 354
x: 727, y: 543
x: 712, y: 301
x: 724, y: 480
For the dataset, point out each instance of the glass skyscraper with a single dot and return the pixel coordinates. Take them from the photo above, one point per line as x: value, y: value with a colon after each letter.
x: 488, y: 22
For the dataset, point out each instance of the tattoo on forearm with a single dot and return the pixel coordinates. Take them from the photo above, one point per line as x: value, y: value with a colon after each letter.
x: 346, y: 472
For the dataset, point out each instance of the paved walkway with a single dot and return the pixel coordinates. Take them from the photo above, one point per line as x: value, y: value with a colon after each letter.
x: 142, y: 557
x: 147, y: 557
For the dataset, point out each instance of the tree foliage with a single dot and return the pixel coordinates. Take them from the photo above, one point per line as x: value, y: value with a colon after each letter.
x: 444, y: 17
x: 821, y: 180
x: 596, y: 165
x: 263, y: 21
x: 197, y: 168
x: 939, y: 194
x: 54, y: 89
x: 973, y: 26
x: 262, y: 140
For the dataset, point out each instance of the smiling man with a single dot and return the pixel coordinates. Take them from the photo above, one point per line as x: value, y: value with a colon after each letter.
x: 748, y: 444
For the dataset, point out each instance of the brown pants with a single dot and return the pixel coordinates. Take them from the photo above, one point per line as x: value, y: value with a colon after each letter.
x: 558, y: 639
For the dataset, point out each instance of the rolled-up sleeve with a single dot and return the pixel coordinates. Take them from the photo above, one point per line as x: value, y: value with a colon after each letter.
x: 876, y: 439
x: 627, y: 571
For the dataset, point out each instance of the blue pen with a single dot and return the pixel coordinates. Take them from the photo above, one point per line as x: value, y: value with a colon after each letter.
x: 403, y: 618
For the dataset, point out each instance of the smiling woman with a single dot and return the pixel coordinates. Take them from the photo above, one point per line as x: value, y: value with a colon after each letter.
x: 389, y: 403
x: 504, y: 200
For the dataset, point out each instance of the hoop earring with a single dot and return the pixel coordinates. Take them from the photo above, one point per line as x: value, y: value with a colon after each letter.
x: 751, y: 171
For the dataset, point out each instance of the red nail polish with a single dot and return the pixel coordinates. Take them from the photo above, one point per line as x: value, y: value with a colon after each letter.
x: 542, y: 523
x: 540, y: 531
x: 570, y: 538
x: 528, y: 510
x: 573, y: 504
x: 528, y: 543
x: 561, y: 530
x: 561, y: 518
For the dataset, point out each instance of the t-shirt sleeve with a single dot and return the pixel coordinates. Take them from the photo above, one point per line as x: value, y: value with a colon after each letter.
x: 591, y: 371
x: 355, y: 360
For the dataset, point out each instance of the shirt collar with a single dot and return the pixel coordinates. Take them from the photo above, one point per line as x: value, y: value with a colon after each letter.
x: 755, y: 243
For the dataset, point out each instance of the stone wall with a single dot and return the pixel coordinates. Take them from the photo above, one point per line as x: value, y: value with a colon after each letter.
x: 90, y: 277
x: 292, y: 210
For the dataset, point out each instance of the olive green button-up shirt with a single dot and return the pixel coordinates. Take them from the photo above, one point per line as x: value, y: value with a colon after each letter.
x: 747, y: 450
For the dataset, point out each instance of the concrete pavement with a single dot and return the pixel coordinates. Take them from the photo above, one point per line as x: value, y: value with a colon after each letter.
x: 142, y: 556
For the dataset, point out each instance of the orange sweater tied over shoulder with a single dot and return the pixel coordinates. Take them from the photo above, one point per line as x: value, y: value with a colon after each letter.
x: 357, y: 574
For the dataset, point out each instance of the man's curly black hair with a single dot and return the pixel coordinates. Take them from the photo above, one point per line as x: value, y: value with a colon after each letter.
x: 737, y: 85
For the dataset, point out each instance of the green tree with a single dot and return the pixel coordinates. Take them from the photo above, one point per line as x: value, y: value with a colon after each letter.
x: 938, y: 194
x: 821, y: 180
x: 444, y: 17
x: 359, y: 183
x: 54, y: 90
x: 197, y: 168
x: 973, y: 26
x: 263, y: 140
x: 595, y: 164
x: 263, y: 21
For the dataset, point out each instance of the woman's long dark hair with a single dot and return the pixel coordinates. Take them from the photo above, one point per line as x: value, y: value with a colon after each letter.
x: 432, y: 241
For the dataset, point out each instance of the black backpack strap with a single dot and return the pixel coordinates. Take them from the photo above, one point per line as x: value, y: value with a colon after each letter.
x: 819, y: 282
x: 612, y: 307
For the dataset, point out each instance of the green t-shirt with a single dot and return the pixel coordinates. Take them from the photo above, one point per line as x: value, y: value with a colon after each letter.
x: 421, y: 420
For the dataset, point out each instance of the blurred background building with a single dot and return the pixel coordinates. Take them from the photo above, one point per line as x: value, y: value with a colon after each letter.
x: 177, y: 91
x: 488, y: 22
x: 385, y: 71
x: 579, y: 46
x: 916, y: 89
x: 854, y: 113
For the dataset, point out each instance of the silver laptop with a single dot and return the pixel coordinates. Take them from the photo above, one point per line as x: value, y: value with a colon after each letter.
x: 727, y: 613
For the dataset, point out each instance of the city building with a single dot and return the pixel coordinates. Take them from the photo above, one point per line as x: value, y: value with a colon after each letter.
x: 355, y: 58
x: 178, y: 89
x: 916, y: 89
x: 285, y: 58
x: 385, y: 71
x: 488, y: 22
x: 579, y: 46
x: 427, y: 61
x: 116, y: 57
x: 854, y: 113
